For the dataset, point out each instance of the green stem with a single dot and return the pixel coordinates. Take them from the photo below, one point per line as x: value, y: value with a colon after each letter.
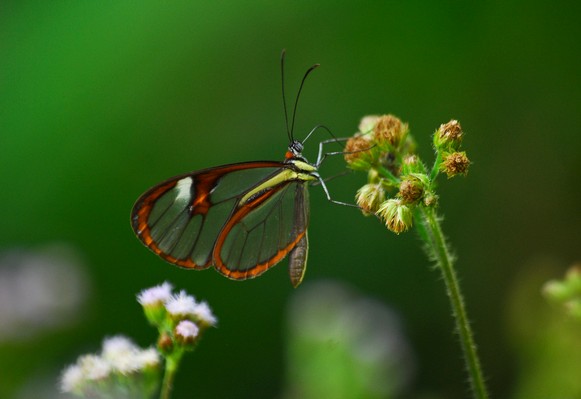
x: 171, y: 367
x: 434, y: 171
x: 439, y: 248
x: 387, y: 174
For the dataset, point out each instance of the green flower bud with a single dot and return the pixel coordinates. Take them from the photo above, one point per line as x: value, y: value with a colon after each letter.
x: 412, y: 164
x: 397, y: 216
x: 430, y: 199
x: 369, y: 197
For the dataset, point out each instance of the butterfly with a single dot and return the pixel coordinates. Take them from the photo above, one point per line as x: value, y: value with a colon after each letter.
x: 241, y: 218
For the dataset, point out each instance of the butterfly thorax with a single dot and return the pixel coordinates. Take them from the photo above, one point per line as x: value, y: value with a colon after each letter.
x: 295, y: 158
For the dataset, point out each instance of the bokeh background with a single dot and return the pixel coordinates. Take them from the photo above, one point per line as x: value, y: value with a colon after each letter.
x: 101, y: 100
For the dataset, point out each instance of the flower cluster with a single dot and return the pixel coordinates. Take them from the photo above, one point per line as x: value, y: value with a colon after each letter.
x: 121, y: 369
x: 179, y: 318
x: 384, y: 148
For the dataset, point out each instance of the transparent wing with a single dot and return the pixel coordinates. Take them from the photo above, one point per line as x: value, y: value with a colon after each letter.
x: 181, y: 218
x: 263, y: 231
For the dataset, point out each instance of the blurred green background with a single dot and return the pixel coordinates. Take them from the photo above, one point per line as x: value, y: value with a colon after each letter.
x: 101, y: 100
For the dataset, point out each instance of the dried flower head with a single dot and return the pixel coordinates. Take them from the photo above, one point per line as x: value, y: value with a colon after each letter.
x: 455, y: 163
x: 389, y: 131
x: 411, y: 189
x: 358, y: 152
x: 449, y: 135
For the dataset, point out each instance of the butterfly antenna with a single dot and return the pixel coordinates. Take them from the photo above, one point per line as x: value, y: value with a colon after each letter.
x: 311, y: 69
x: 288, y: 132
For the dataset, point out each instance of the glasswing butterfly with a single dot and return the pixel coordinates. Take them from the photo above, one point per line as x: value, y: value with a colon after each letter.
x: 242, y: 218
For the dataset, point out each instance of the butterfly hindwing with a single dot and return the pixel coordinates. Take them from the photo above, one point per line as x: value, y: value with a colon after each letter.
x: 263, y: 231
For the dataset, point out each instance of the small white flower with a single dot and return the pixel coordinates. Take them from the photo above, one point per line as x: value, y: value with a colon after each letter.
x: 121, y: 353
x: 116, y: 346
x: 72, y: 379
x: 204, y: 315
x: 147, y: 358
x: 155, y: 295
x: 181, y: 305
x: 94, y: 367
x: 187, y: 330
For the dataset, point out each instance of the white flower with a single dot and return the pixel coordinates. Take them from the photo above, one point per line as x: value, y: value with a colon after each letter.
x: 204, y: 315
x: 187, y: 330
x: 120, y: 352
x: 182, y: 305
x: 116, y: 346
x: 121, y: 367
x: 155, y: 295
x: 94, y: 367
x: 72, y: 379
x: 147, y: 358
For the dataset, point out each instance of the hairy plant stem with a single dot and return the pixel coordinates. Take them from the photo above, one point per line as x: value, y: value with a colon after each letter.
x: 171, y: 367
x: 439, y: 249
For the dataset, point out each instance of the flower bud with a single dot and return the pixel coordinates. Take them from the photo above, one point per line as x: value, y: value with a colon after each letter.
x: 397, y: 216
x: 430, y: 199
x: 165, y: 343
x: 411, y: 189
x: 449, y: 135
x: 369, y: 197
x: 186, y: 333
x: 455, y: 163
x: 412, y: 164
x: 389, y: 131
x: 152, y: 300
x: 358, y: 153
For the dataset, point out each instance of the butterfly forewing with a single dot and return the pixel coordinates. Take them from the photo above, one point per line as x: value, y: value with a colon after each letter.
x: 242, y: 218
x: 181, y: 218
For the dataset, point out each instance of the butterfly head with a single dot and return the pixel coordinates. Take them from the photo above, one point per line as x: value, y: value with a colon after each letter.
x: 295, y: 150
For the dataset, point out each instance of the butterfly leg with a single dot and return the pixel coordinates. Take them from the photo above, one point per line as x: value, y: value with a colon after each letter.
x: 322, y: 155
x: 326, y: 190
